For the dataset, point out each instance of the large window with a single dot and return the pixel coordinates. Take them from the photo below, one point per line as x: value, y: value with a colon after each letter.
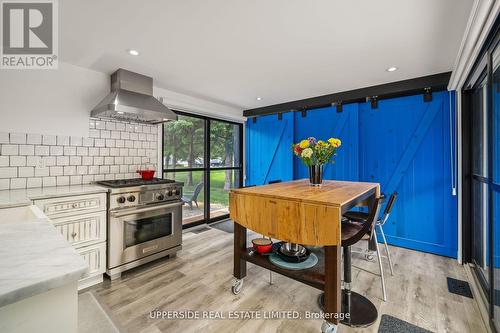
x: 206, y: 155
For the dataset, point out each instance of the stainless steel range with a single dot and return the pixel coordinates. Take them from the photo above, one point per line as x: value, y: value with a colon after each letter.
x: 144, y: 222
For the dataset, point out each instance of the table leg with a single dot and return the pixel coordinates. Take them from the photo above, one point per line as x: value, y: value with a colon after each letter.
x: 333, y: 291
x: 240, y: 243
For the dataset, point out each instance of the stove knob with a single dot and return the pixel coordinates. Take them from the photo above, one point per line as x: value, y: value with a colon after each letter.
x: 121, y: 200
x: 131, y: 198
x: 160, y: 197
x: 177, y: 192
x: 170, y: 193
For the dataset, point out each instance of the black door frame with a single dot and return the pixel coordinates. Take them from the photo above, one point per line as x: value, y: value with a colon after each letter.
x: 484, y: 62
x: 206, y: 164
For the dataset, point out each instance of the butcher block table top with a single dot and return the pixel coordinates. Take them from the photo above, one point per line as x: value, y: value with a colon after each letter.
x: 297, y: 212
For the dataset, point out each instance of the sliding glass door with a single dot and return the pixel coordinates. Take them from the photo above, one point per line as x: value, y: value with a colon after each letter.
x: 481, y: 191
x: 206, y: 155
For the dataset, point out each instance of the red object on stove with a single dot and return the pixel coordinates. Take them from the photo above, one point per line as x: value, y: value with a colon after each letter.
x: 147, y: 174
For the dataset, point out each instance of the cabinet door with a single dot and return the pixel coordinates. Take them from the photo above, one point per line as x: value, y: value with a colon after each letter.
x: 268, y: 149
x: 72, y: 205
x: 95, y: 257
x: 83, y: 229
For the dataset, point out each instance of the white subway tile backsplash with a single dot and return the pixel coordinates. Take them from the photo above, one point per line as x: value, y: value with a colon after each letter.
x: 42, y: 172
x: 63, y: 140
x: 105, y: 134
x: 69, y: 170
x: 4, y: 184
x: 4, y: 161
x: 49, y: 161
x: 100, y: 124
x: 87, y: 160
x: 8, y: 172
x: 16, y: 183
x: 49, y: 140
x: 99, y: 160
x: 49, y: 181
x: 26, y: 172
x: 76, y: 140
x: 75, y: 160
x: 9, y: 150
x: 88, y: 142
x: 56, y: 150
x: 62, y: 180
x: 34, y: 182
x: 27, y: 150
x: 82, y: 151
x: 69, y: 151
x: 18, y: 138
x: 4, y: 137
x: 56, y: 171
x: 34, y: 139
x: 18, y: 161
x: 113, y: 150
x: 75, y: 180
x: 62, y: 160
x: 109, y: 160
x: 100, y: 142
x: 42, y: 150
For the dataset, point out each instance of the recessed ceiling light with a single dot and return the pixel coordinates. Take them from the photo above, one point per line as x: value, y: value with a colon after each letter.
x: 259, y: 98
x: 392, y: 69
x: 133, y: 52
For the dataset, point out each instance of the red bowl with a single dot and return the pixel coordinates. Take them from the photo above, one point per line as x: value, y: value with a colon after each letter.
x: 146, y: 174
x: 262, y: 245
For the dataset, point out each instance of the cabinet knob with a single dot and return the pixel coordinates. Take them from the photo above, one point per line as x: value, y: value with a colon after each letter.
x: 75, y: 205
x: 73, y: 235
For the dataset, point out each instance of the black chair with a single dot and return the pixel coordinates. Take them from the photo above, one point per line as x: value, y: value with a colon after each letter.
x: 362, y: 312
x: 361, y: 217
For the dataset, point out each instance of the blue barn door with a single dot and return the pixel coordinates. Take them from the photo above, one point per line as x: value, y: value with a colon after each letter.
x: 405, y: 146
x: 326, y: 123
x: 268, y: 149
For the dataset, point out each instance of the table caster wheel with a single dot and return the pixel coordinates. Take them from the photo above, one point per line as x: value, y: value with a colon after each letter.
x: 237, y: 286
x: 328, y: 327
x: 369, y: 257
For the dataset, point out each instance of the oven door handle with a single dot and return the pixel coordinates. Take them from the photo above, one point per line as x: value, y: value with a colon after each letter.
x: 144, y: 210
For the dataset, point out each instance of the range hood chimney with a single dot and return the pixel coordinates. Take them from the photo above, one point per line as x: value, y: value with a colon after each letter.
x: 131, y: 99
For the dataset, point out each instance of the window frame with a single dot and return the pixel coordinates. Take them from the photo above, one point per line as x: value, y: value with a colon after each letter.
x: 206, y: 169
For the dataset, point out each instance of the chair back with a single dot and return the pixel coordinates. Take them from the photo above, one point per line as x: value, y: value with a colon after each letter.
x: 389, y: 206
x: 197, y: 190
x: 368, y: 225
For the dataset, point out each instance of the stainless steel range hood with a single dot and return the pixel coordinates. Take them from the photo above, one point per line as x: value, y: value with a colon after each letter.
x: 131, y: 99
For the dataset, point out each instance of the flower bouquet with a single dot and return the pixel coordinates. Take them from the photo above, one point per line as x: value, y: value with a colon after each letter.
x: 316, y: 153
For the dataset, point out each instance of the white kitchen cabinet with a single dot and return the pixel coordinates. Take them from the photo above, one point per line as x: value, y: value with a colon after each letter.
x: 82, y: 220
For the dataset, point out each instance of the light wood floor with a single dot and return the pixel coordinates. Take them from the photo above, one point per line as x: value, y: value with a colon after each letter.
x: 200, y: 277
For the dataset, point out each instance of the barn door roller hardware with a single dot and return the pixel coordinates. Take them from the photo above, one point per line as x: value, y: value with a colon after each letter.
x: 304, y: 113
x: 374, y: 101
x: 427, y: 94
x: 338, y: 105
x: 280, y: 116
x: 254, y: 119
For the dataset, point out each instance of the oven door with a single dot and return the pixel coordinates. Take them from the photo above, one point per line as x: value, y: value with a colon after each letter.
x: 139, y: 232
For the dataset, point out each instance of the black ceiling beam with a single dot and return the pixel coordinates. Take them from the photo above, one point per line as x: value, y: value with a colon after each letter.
x: 414, y: 86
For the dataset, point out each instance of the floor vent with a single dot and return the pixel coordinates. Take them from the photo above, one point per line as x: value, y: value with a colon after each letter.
x: 459, y: 287
x: 390, y: 324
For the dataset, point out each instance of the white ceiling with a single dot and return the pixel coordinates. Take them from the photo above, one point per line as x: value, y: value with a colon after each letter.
x: 232, y: 51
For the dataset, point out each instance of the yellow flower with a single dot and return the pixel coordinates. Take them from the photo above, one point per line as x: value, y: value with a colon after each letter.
x: 304, y: 144
x: 335, y: 142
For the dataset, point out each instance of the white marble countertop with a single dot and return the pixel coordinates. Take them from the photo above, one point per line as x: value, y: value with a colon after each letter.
x: 34, y: 257
x: 23, y: 197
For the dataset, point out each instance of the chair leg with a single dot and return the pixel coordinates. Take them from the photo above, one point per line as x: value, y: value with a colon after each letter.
x: 386, y: 249
x: 380, y: 266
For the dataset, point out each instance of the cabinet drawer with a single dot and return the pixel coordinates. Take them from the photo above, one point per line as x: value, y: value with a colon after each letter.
x: 74, y: 205
x: 95, y: 257
x: 83, y: 229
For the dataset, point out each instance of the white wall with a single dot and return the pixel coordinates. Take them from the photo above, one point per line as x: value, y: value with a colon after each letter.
x: 58, y: 102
